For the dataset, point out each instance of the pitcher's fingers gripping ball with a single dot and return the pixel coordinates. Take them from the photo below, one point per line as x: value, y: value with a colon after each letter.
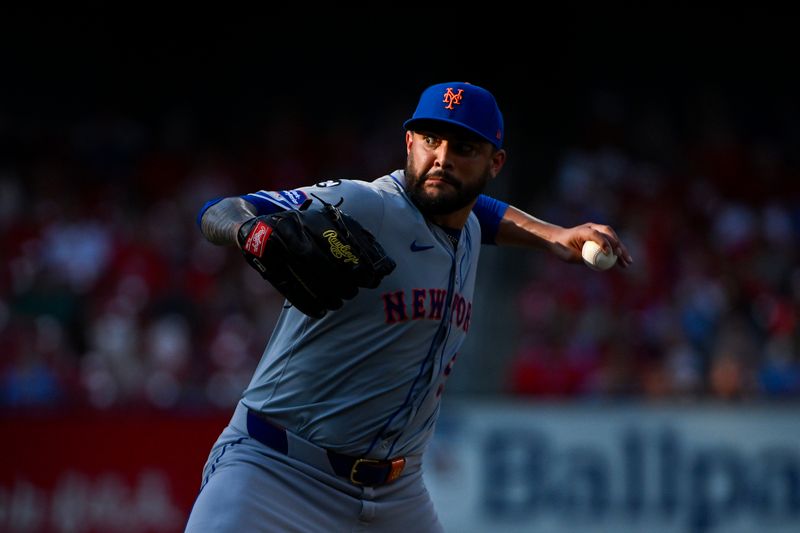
x: 595, y: 258
x: 316, y: 258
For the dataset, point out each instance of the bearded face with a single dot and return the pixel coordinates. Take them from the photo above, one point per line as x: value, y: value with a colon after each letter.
x: 451, y: 196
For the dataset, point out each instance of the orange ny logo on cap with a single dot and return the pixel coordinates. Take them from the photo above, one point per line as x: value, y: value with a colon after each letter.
x: 450, y: 98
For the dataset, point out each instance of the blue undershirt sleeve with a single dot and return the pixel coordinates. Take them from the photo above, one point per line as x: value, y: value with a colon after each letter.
x: 490, y: 212
x: 265, y: 204
x: 205, y: 208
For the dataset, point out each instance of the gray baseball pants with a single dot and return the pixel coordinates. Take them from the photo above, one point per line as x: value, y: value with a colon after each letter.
x: 250, y: 487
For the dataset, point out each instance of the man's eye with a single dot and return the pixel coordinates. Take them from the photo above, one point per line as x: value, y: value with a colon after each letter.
x: 429, y: 140
x: 466, y: 148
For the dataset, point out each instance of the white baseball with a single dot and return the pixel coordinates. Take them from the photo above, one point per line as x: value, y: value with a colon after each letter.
x: 594, y: 257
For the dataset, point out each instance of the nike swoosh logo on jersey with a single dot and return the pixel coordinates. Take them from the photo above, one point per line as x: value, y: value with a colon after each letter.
x: 419, y: 247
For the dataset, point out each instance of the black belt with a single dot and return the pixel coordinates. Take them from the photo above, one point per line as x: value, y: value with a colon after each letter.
x: 359, y: 470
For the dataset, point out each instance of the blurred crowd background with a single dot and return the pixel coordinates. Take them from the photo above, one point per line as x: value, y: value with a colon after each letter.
x: 110, y: 297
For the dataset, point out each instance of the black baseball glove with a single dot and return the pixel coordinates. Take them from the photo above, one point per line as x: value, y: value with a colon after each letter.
x: 316, y: 258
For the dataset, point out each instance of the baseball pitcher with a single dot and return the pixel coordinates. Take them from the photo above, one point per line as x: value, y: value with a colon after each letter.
x: 379, y: 281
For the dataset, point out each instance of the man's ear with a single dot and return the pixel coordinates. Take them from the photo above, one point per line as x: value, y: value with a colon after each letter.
x: 498, y: 160
x: 409, y: 140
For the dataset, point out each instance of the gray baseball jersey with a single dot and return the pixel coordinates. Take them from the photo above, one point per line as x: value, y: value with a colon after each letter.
x: 366, y: 380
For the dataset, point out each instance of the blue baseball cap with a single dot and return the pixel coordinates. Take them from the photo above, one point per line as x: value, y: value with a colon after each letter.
x: 462, y: 104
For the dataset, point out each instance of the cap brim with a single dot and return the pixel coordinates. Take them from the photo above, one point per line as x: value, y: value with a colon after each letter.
x: 409, y: 125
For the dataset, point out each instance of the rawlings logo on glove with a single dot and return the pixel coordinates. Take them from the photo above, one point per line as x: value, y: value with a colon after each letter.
x: 257, y: 239
x: 316, y: 258
x: 338, y: 249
